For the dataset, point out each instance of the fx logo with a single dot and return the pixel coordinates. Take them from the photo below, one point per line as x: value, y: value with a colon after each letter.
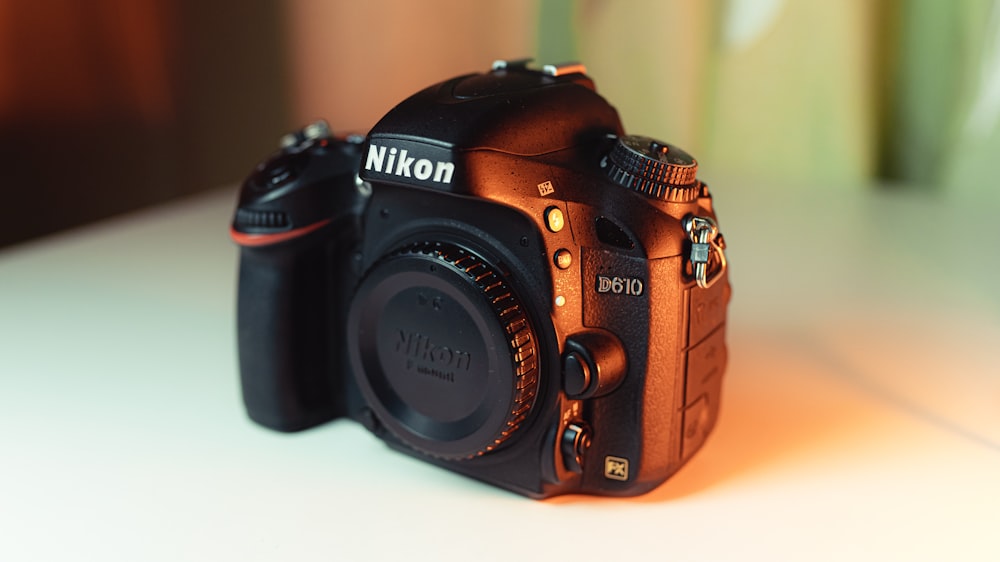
x: 615, y: 468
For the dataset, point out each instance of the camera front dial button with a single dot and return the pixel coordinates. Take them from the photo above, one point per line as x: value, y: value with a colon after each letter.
x: 573, y: 444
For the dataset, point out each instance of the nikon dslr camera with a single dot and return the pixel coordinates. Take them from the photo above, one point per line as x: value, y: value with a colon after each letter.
x: 496, y: 280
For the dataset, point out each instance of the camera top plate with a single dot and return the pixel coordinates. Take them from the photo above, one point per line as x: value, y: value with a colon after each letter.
x: 511, y: 109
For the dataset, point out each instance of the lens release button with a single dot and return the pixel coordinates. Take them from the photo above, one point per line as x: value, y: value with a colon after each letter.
x: 594, y: 364
x: 576, y: 374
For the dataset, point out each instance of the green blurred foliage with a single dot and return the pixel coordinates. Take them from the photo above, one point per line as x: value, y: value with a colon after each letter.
x: 822, y: 94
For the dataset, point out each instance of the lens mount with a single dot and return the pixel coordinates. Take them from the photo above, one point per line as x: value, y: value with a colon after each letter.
x: 442, y: 350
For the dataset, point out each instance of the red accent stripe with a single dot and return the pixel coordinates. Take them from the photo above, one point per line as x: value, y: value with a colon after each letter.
x: 244, y: 239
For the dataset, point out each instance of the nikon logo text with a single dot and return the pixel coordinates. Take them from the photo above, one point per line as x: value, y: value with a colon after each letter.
x: 418, y: 346
x: 399, y: 163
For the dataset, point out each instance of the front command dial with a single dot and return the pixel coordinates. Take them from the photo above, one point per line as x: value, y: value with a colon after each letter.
x: 654, y: 168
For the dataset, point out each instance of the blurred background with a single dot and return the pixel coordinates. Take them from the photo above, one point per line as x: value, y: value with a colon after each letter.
x: 111, y: 105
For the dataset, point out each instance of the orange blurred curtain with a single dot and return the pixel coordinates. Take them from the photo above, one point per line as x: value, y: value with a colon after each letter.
x: 69, y: 61
x: 87, y: 111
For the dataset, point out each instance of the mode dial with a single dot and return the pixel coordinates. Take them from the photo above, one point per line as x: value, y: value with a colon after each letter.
x: 654, y: 168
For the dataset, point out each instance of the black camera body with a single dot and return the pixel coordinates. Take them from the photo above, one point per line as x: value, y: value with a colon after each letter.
x: 496, y: 280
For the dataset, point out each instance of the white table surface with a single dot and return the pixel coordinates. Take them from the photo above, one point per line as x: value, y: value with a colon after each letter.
x: 860, y: 419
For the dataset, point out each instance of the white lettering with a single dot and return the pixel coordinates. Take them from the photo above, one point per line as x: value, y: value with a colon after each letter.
x: 423, y: 169
x: 403, y: 168
x: 405, y: 165
x: 392, y: 158
x: 376, y: 155
x: 603, y: 284
x: 442, y: 174
x: 620, y: 285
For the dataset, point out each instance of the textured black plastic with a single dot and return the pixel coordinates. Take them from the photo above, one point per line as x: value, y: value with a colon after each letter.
x: 509, y: 111
x: 448, y: 357
x: 506, y: 111
x: 292, y: 292
x: 477, y: 163
x: 300, y: 186
x: 398, y: 217
x: 287, y: 322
